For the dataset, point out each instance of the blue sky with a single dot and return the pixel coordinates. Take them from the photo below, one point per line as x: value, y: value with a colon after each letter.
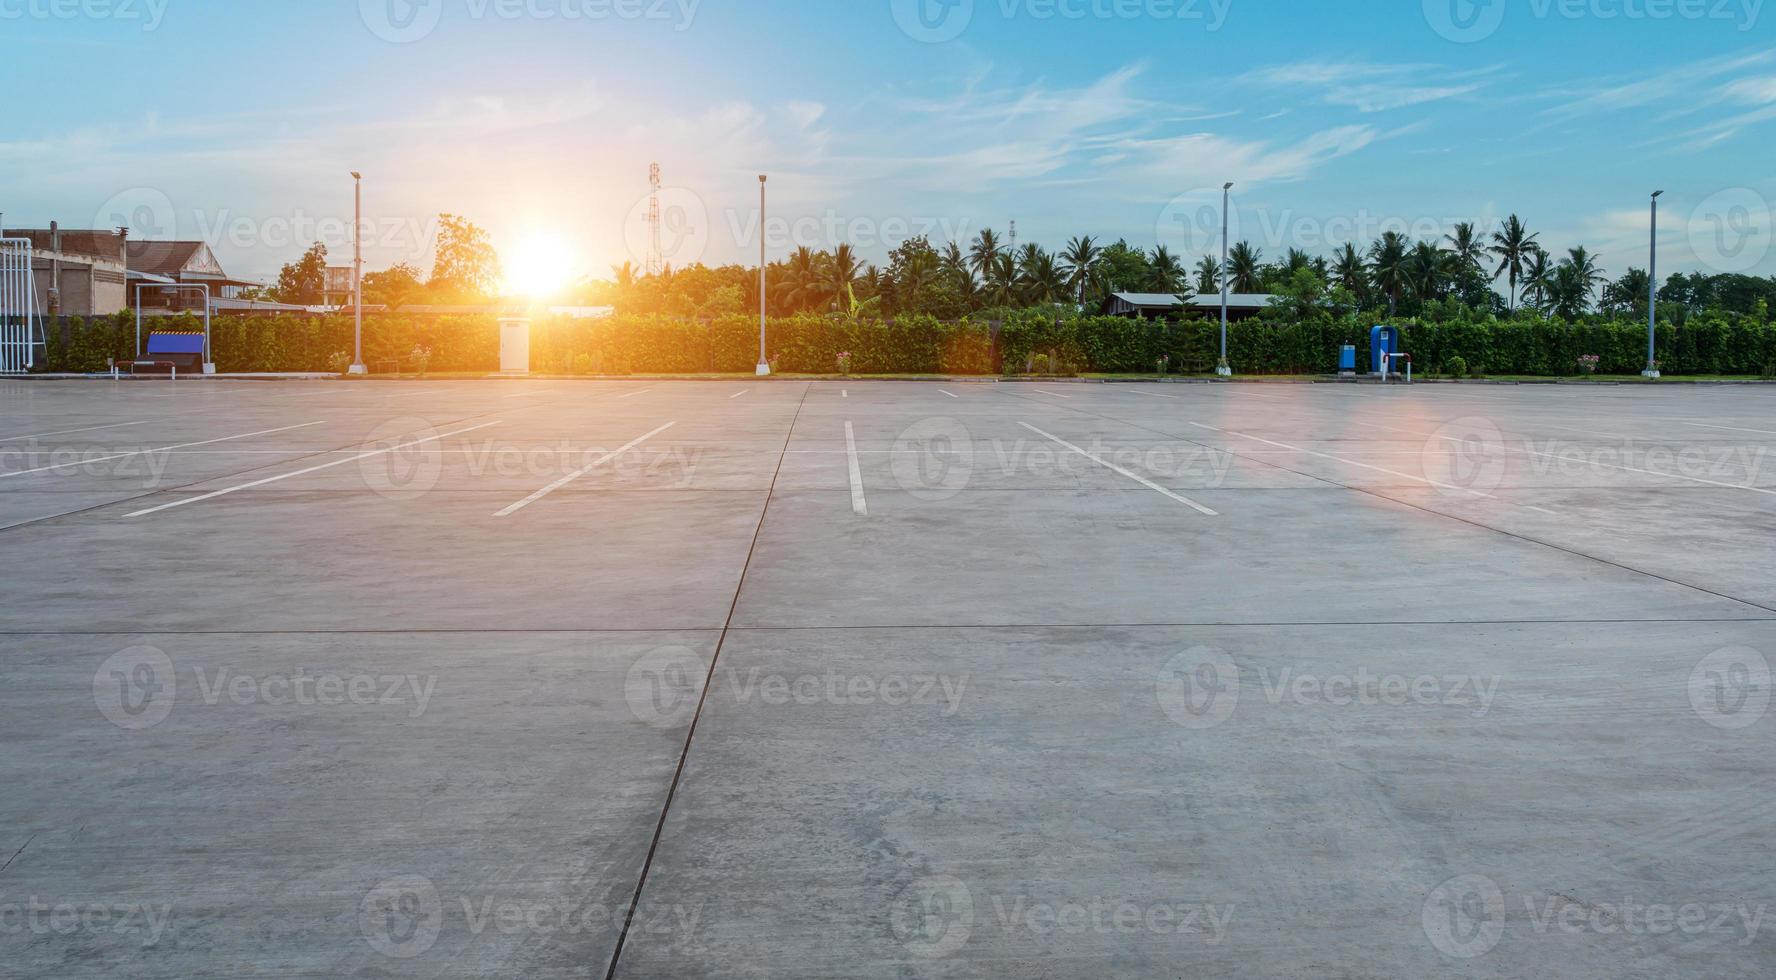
x: 238, y: 122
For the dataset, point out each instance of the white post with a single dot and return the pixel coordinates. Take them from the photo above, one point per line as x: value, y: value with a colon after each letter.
x: 764, y: 364
x: 1224, y: 368
x: 1652, y: 367
x: 357, y: 364
x: 209, y: 358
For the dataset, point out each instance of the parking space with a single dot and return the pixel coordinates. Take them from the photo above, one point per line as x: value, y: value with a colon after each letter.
x: 876, y: 679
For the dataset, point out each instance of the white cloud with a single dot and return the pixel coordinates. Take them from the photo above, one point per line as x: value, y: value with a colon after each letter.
x: 1372, y: 88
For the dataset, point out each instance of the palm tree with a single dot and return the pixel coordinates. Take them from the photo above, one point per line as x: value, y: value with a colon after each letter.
x: 1208, y: 276
x: 1043, y: 281
x: 1428, y: 268
x: 1166, y: 273
x: 1629, y: 293
x: 1001, y: 280
x: 1245, y: 268
x: 1513, y: 244
x: 985, y: 249
x: 1294, y: 261
x: 1080, y: 256
x: 955, y: 266
x: 922, y: 267
x: 801, y: 280
x: 1349, y: 271
x: 1389, y: 263
x: 1466, y: 246
x: 1586, y: 273
x: 1538, y: 278
x: 841, y: 271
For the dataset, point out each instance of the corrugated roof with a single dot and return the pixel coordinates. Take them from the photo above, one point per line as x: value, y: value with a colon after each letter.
x: 106, y: 245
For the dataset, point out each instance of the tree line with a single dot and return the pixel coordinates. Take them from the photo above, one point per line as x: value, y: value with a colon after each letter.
x: 1501, y: 272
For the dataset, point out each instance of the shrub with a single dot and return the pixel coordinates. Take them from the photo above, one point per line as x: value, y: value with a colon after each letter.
x: 1456, y: 366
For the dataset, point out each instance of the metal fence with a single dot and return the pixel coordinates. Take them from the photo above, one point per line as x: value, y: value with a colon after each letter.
x: 21, y: 327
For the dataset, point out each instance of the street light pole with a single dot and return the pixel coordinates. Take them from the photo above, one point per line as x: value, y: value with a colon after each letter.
x: 764, y: 364
x: 357, y: 364
x: 1224, y: 369
x: 1652, y: 368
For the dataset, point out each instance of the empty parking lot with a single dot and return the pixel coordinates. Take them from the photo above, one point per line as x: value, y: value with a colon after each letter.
x: 870, y: 679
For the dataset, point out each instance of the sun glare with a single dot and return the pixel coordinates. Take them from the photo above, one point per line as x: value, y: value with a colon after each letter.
x: 541, y: 266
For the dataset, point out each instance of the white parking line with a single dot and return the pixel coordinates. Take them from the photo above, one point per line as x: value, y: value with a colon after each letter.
x: 564, y: 481
x: 160, y: 449
x: 1732, y: 428
x: 90, y: 428
x: 312, y: 469
x: 527, y: 394
x: 1149, y: 394
x: 737, y: 394
x: 1366, y: 466
x: 858, y: 504
x: 1149, y: 484
x: 845, y: 394
x: 1054, y: 394
x: 950, y: 393
x: 1636, y: 469
x: 632, y: 394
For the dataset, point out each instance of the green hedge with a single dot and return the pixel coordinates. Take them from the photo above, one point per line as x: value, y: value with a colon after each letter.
x: 1708, y: 343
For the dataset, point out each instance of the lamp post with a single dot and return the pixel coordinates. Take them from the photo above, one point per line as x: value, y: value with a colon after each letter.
x: 1652, y: 368
x: 357, y: 364
x: 764, y: 364
x: 1224, y: 369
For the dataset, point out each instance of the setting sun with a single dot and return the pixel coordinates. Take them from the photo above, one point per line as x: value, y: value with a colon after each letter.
x: 541, y: 265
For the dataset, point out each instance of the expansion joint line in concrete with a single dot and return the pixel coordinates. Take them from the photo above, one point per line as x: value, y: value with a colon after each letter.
x: 703, y: 698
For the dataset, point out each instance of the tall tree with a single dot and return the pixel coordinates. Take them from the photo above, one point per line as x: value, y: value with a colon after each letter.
x: 1208, y: 276
x: 1390, y: 267
x: 1430, y: 269
x: 1042, y: 279
x: 1538, y: 278
x: 1629, y: 294
x: 304, y: 281
x: 985, y: 249
x: 392, y: 287
x: 466, y: 267
x: 1166, y: 273
x: 1245, y: 268
x: 1349, y: 271
x: 801, y: 289
x: 841, y: 271
x: 1512, y: 245
x: 1466, y: 245
x: 1080, y: 256
x: 1000, y: 285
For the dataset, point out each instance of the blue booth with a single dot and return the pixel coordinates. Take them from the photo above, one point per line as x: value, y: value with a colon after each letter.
x: 1382, y: 342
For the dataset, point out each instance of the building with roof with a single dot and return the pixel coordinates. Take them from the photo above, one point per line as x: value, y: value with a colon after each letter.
x: 1154, y: 306
x: 77, y: 273
x: 173, y: 264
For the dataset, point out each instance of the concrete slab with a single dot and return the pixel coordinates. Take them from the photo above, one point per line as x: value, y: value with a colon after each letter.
x: 1498, y: 714
x: 331, y: 804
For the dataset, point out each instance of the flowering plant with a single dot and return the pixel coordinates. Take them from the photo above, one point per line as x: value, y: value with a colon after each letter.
x: 1588, y: 363
x: 845, y: 362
